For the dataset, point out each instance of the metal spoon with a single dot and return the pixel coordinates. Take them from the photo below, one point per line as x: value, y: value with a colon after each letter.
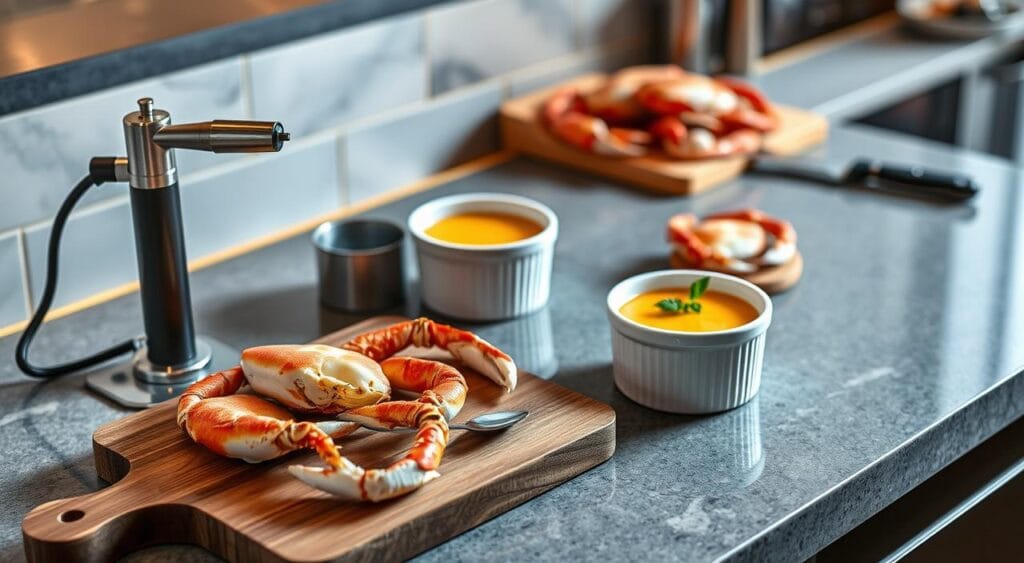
x: 487, y: 422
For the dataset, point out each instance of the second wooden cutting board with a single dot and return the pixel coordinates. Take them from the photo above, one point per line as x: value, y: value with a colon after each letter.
x: 522, y: 131
x: 169, y: 490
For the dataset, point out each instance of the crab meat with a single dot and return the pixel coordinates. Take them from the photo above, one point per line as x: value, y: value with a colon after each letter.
x: 738, y: 242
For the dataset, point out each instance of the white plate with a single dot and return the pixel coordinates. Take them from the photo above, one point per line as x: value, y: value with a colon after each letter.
x: 961, y: 27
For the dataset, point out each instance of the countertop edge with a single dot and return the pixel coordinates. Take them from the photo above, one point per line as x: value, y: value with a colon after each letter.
x: 813, y: 526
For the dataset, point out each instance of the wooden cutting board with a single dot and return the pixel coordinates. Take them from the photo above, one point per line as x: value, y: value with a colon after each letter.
x: 167, y: 489
x: 522, y: 131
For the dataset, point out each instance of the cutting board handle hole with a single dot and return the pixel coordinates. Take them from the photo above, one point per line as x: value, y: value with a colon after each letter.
x: 70, y: 516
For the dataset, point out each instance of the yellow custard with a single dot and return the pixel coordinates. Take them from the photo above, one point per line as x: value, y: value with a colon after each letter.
x: 483, y: 228
x: 719, y: 311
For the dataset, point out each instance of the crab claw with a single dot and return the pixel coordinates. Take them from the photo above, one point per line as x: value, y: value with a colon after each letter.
x: 355, y: 483
x: 315, y: 377
x: 499, y: 369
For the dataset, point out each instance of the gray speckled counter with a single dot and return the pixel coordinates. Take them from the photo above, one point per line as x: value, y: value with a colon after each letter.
x: 899, y: 351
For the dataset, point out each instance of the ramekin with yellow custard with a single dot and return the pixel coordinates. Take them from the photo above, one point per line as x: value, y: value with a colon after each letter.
x: 675, y: 352
x: 484, y: 256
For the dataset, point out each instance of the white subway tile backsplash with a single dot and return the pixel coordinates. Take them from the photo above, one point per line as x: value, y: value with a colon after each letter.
x: 450, y: 131
x: 313, y: 84
x: 611, y: 21
x: 45, y: 151
x: 529, y: 80
x: 380, y: 75
x: 97, y: 252
x: 259, y: 197
x: 12, y: 293
x: 472, y: 41
x: 267, y: 194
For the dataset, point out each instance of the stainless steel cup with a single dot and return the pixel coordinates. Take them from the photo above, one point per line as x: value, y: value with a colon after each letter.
x: 360, y: 264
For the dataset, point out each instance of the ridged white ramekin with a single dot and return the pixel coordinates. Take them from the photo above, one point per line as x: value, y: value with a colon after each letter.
x: 485, y: 283
x: 688, y: 372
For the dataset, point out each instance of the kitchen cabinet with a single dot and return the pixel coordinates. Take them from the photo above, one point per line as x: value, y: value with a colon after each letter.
x: 969, y: 511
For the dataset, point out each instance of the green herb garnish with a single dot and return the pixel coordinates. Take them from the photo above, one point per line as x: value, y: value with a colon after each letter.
x: 672, y: 305
x: 699, y: 287
x: 676, y: 305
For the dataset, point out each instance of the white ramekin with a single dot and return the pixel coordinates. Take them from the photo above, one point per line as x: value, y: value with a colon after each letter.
x: 688, y: 372
x: 485, y: 283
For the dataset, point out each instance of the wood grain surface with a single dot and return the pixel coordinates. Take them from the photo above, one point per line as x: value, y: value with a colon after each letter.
x: 522, y: 131
x: 167, y: 489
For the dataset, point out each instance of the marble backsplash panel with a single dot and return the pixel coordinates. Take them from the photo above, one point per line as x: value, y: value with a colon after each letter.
x: 480, y: 40
x: 224, y: 208
x: 96, y: 253
x: 337, y: 77
x: 12, y: 300
x: 371, y: 108
x: 268, y: 193
x: 456, y: 128
x: 608, y: 22
x: 46, y: 151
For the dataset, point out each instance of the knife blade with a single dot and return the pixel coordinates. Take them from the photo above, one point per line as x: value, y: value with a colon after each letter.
x: 915, y: 181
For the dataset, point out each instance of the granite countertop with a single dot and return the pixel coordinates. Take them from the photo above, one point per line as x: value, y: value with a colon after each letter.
x: 900, y: 350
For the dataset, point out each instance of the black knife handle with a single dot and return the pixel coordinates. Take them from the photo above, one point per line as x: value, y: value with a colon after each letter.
x: 948, y: 186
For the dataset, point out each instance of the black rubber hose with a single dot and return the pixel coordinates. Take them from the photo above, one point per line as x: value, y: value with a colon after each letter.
x: 50, y: 287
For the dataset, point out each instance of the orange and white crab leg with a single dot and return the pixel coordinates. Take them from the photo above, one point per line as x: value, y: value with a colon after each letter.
x: 615, y: 100
x: 439, y: 383
x: 778, y: 251
x: 418, y: 467
x: 755, y: 112
x: 247, y: 427
x: 690, y: 143
x: 682, y: 236
x: 726, y: 249
x: 465, y: 346
x: 566, y: 116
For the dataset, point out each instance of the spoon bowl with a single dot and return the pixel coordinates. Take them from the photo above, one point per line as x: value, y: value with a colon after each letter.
x: 492, y: 421
x: 487, y: 422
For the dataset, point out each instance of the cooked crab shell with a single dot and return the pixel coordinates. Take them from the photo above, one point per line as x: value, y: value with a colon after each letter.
x: 315, y: 377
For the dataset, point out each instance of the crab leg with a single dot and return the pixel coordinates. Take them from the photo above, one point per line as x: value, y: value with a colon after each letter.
x: 439, y: 382
x: 407, y: 474
x: 566, y: 116
x: 465, y: 346
x: 444, y: 392
x: 682, y: 234
x: 755, y: 113
x: 246, y: 426
x: 782, y: 249
x: 615, y: 101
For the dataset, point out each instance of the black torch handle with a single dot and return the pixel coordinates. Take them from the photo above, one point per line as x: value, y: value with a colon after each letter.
x: 163, y: 275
